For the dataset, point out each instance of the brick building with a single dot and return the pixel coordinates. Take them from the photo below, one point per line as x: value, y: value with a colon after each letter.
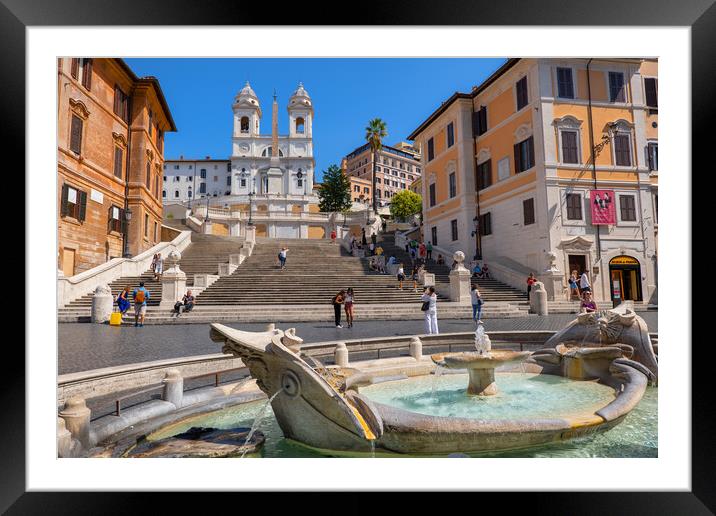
x: 110, y: 154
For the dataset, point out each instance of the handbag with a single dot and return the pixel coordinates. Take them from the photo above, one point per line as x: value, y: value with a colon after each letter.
x: 426, y: 306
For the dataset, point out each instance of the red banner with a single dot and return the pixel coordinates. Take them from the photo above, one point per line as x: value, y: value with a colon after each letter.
x: 603, y: 207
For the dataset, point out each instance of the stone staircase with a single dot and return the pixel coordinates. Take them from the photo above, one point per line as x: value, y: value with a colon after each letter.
x: 315, y: 271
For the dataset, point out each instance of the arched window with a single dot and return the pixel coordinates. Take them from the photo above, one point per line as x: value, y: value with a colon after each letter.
x: 164, y: 193
x: 268, y: 152
x: 300, y: 125
x: 176, y: 194
x: 244, y: 124
x: 189, y: 194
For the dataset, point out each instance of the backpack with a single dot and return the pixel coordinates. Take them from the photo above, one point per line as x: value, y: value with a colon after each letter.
x: 139, y: 296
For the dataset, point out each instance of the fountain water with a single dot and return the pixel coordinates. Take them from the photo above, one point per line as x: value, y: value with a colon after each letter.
x: 257, y: 421
x: 482, y: 340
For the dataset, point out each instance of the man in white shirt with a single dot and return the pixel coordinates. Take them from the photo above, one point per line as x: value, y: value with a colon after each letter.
x: 584, y: 285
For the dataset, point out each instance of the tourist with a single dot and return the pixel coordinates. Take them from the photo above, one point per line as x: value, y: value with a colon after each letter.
x: 158, y: 267
x: 391, y: 260
x: 440, y: 260
x: 363, y: 240
x: 531, y: 280
x: 140, y: 295
x: 485, y: 271
x: 422, y: 251
x: 584, y: 285
x: 429, y: 250
x: 188, y: 301
x: 374, y: 238
x: 353, y: 242
x: 429, y: 300
x: 414, y: 276
x: 476, y: 300
x: 338, y: 300
x: 587, y: 304
x: 348, y: 306
x: 378, y: 251
x: 333, y: 236
x: 154, y: 262
x: 371, y: 248
x: 123, y: 300
x: 401, y: 276
x: 573, y: 289
x: 413, y: 254
x: 282, y: 257
x: 381, y: 264
x: 477, y: 270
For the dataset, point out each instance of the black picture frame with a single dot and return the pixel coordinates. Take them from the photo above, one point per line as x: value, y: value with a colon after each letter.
x: 700, y: 15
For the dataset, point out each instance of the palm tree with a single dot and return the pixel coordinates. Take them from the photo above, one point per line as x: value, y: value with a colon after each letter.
x: 374, y: 134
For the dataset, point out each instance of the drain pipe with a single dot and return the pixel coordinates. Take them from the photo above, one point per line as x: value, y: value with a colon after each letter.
x: 591, y: 147
x: 125, y: 236
x: 478, y: 240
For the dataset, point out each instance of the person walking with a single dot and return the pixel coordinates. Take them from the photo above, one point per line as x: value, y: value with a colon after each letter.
x: 333, y: 236
x: 123, y: 300
x: 401, y: 276
x: 587, y: 305
x: 430, y: 309
x: 158, y: 267
x: 429, y: 250
x: 140, y: 295
x: 584, y: 285
x: 573, y: 289
x: 476, y: 304
x: 422, y: 251
x: 414, y: 276
x: 154, y: 262
x: 531, y: 280
x: 348, y: 306
x: 338, y: 300
x: 282, y: 257
x: 363, y: 239
x: 371, y: 248
x: 374, y: 238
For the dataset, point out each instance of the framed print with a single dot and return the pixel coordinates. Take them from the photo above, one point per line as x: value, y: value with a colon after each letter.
x: 218, y: 182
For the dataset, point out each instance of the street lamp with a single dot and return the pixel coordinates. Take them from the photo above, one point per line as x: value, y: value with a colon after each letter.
x: 476, y: 234
x: 206, y: 219
x: 127, y: 218
x: 251, y: 198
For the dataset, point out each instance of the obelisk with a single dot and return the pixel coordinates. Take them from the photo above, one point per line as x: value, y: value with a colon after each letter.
x: 275, y: 175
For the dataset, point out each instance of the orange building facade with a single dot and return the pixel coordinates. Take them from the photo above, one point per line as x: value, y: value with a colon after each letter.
x: 509, y: 178
x: 110, y: 126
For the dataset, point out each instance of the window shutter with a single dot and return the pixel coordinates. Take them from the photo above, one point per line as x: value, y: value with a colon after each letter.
x: 651, y: 97
x: 518, y: 163
x: 83, y: 204
x: 483, y: 120
x: 87, y: 74
x: 76, y: 135
x: 569, y: 147
x: 476, y: 123
x: 118, y: 162
x: 75, y: 68
x: 531, y: 147
x: 110, y: 222
x: 63, y: 201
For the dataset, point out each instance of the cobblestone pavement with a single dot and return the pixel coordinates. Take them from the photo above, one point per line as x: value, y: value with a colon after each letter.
x: 85, y: 346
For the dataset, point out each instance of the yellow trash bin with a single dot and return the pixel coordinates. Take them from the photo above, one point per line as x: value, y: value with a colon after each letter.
x: 115, y: 318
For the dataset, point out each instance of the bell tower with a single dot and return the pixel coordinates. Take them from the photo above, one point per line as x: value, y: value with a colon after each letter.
x: 247, y: 113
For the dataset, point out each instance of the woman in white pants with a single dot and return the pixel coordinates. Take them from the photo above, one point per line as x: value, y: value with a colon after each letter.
x: 431, y: 314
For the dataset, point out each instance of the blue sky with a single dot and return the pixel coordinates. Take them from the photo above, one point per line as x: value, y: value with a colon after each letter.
x: 346, y: 94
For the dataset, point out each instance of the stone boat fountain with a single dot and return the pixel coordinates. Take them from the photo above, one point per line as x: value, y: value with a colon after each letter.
x: 335, y: 411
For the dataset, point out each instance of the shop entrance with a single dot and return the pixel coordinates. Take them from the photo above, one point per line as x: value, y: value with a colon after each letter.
x: 625, y: 279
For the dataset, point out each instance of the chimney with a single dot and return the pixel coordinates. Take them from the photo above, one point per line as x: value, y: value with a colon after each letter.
x: 181, y: 156
x: 208, y: 157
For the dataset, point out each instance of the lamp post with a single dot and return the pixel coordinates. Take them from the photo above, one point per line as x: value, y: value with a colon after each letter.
x: 251, y: 198
x: 206, y: 219
x: 476, y: 234
x: 127, y: 218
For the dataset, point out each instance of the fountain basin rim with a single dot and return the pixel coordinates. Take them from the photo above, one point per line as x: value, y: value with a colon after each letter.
x: 475, y: 360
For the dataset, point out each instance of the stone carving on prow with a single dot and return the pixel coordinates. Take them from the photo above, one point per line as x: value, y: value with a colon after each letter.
x: 292, y: 341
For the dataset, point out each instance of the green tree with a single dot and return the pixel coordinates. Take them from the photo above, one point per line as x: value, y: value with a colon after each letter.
x: 335, y: 192
x: 405, y: 204
x: 374, y: 134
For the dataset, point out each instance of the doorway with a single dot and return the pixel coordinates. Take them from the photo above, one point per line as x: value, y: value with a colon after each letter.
x: 68, y: 262
x: 625, y: 279
x: 577, y: 262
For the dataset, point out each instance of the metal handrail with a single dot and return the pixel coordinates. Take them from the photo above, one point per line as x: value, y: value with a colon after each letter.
x: 215, y: 374
x: 118, y: 401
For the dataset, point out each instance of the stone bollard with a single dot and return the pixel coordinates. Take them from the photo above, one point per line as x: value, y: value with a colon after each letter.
x: 173, y: 388
x: 460, y: 281
x: 102, y: 303
x: 64, y: 439
x: 173, y: 281
x: 341, y: 354
x: 538, y: 299
x: 77, y: 420
x: 416, y: 348
x: 270, y: 327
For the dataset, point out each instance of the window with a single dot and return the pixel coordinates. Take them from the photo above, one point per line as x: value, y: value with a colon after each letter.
x: 87, y: 73
x: 484, y: 175
x: 76, y: 135
x: 431, y: 150
x: 452, y: 184
x: 528, y: 211
x: 521, y: 87
x: 216, y: 178
x: 75, y: 68
x: 650, y: 90
x: 228, y: 167
x: 156, y: 186
x: 190, y: 167
x: 203, y: 173
x: 300, y: 125
x: 228, y: 180
x: 479, y: 121
x: 176, y: 194
x: 377, y: 180
x: 121, y: 104
x: 616, y: 87
x: 114, y: 219
x: 160, y: 139
x: 486, y: 224
x: 434, y: 235
x: 453, y: 229
x: 524, y: 155
x: 118, y: 162
x: 450, y: 137
x: 503, y: 168
x: 202, y: 188
x: 243, y: 182
x: 656, y: 208
x: 622, y: 154
x: 300, y: 183
x: 366, y: 189
x: 155, y: 231
x: 176, y: 167
x: 177, y: 179
x: 74, y: 202
x: 565, y: 86
x: 146, y: 224
x: 574, y: 206
x: 627, y: 207
x: 378, y: 193
x: 356, y: 188
x: 189, y: 194
x: 188, y: 179
x: 432, y: 194
x: 569, y: 147
x: 151, y: 126
x: 164, y: 194
x: 653, y: 155
x: 244, y: 124
x: 148, y: 181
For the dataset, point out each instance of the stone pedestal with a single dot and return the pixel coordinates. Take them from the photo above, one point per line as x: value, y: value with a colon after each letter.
x: 554, y: 284
x: 226, y: 269
x: 482, y: 382
x: 236, y: 259
x: 64, y: 439
x: 416, y: 348
x: 206, y: 228
x: 173, y: 281
x: 102, y: 303
x: 538, y: 299
x: 234, y: 227
x: 250, y: 234
x: 173, y: 388
x: 460, y: 281
x: 428, y: 279
x: 341, y: 354
x: 77, y: 420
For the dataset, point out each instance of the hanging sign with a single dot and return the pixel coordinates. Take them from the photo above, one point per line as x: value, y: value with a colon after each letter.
x: 603, y: 207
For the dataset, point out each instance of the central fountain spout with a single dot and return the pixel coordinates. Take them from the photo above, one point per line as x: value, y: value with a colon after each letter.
x: 480, y: 364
